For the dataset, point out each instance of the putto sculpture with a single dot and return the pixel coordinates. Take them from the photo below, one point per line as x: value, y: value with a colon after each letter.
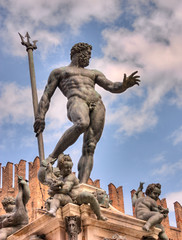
x: 85, y: 108
x: 146, y: 208
x: 102, y: 198
x: 66, y: 189
x: 16, y: 214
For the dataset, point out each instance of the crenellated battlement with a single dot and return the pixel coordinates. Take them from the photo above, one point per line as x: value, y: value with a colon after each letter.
x: 39, y: 193
x: 9, y: 179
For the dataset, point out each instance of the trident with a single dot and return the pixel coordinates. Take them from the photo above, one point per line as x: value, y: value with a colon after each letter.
x: 30, y: 47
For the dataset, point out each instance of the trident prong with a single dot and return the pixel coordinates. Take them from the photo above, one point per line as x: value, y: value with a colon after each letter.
x: 34, y: 44
x: 28, y: 44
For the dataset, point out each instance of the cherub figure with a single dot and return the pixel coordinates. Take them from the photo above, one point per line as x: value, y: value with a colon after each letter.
x: 66, y: 189
x: 102, y: 198
x: 16, y: 216
x: 146, y: 208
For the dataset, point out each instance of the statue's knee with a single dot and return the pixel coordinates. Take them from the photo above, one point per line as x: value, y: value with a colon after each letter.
x: 82, y: 126
x: 90, y: 197
x: 161, y: 217
x: 91, y: 148
x: 86, y: 197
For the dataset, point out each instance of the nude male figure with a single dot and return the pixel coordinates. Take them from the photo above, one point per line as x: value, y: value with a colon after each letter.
x: 85, y: 108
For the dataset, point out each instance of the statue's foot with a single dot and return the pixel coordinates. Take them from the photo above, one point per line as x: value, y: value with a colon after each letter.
x: 51, y: 213
x: 50, y: 159
x: 102, y: 218
x: 146, y: 228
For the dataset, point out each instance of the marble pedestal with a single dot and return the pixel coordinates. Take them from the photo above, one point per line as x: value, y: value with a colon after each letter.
x: 118, y: 224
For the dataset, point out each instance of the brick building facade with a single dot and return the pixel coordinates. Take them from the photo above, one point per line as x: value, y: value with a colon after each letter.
x: 39, y: 194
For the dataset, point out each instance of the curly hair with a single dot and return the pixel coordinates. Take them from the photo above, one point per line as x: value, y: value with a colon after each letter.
x: 78, y: 47
x: 8, y: 200
x: 150, y: 188
x: 64, y: 159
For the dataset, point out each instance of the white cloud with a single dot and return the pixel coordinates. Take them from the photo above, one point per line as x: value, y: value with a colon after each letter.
x: 160, y: 158
x: 47, y: 20
x: 168, y: 168
x: 177, y: 99
x: 153, y: 47
x: 176, y: 136
x: 15, y: 104
x: 131, y: 120
x: 57, y: 114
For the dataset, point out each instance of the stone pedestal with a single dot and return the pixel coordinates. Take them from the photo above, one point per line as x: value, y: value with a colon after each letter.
x: 118, y: 223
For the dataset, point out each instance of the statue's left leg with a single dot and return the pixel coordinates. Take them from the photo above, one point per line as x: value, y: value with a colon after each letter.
x: 162, y: 234
x: 90, y: 140
x: 86, y: 197
x: 7, y: 231
x: 3, y: 234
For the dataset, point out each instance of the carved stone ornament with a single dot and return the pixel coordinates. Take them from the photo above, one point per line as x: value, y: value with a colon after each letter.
x: 73, y: 226
x: 37, y: 237
x: 116, y: 237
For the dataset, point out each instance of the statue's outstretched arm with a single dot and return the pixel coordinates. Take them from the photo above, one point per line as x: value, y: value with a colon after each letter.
x: 138, y: 193
x: 117, y: 87
x: 24, y: 193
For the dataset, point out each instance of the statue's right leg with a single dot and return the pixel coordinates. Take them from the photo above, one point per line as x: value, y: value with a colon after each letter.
x: 154, y: 218
x: 162, y: 234
x: 78, y: 113
x: 54, y: 205
x: 91, y: 137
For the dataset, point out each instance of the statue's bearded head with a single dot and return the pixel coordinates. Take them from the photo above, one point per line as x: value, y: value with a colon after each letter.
x: 81, y: 51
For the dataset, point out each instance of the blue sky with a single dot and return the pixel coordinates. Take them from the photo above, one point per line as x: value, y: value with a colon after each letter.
x: 142, y: 137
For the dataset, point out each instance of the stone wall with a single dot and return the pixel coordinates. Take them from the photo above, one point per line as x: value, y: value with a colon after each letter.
x: 39, y: 194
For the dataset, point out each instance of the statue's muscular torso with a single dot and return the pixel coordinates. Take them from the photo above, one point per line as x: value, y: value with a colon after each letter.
x: 144, y: 205
x: 79, y: 82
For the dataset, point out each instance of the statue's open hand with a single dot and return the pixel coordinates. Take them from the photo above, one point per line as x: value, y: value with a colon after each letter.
x: 131, y: 80
x: 39, y: 126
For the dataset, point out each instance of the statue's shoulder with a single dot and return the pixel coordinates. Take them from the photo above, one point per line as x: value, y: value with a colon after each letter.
x: 71, y: 177
x: 141, y: 199
x: 59, y: 71
x: 97, y: 73
x: 150, y: 200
